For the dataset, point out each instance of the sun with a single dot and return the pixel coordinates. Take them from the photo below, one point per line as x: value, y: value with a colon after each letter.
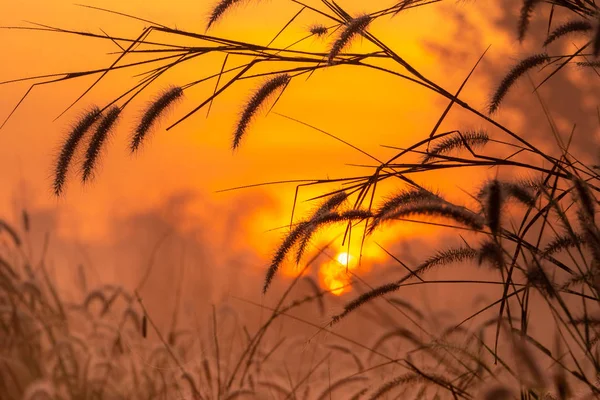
x: 334, y: 273
x: 344, y: 258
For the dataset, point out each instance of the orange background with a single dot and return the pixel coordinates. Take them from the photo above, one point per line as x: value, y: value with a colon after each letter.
x: 179, y: 172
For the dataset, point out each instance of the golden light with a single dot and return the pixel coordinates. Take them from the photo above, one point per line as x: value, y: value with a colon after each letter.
x: 334, y: 273
x: 344, y: 258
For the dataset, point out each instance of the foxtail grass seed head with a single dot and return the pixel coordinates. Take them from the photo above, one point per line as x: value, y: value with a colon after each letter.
x: 399, y: 200
x: 513, y: 75
x: 519, y: 192
x: 365, y: 298
x: 563, y: 242
x: 585, y: 199
x: 492, y: 197
x: 567, y: 28
x: 474, y: 139
x: 589, y: 64
x: 491, y: 252
x: 220, y: 9
x: 70, y: 145
x: 103, y: 129
x: 446, y: 257
x: 525, y: 16
x: 254, y: 103
x: 353, y: 28
x: 288, y: 243
x: 539, y: 279
x: 331, y: 204
x: 318, y: 30
x: 437, y: 209
x: 153, y: 113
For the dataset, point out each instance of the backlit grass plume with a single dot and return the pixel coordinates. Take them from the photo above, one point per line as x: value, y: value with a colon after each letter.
x: 365, y: 298
x: 525, y: 16
x: 457, y: 142
x: 105, y: 125
x: 219, y: 10
x: 331, y: 204
x: 257, y: 99
x: 563, y: 242
x: 318, y: 30
x: 491, y: 252
x: 441, y: 258
x: 308, y: 228
x: 327, y: 218
x: 153, y: 113
x: 401, y: 199
x: 492, y: 198
x: 438, y: 209
x: 513, y: 75
x: 288, y: 243
x: 69, y: 147
x: 565, y: 29
x: 353, y: 28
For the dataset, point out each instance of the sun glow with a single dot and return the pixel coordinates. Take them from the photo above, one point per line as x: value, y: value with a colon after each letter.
x: 335, y: 273
x: 343, y: 258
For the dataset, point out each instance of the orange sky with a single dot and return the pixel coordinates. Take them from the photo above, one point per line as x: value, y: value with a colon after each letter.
x: 364, y: 108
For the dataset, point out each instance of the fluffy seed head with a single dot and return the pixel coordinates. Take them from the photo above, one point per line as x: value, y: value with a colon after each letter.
x: 98, y: 139
x: 456, y: 142
x: 492, y: 198
x: 445, y: 257
x: 318, y: 30
x: 491, y: 252
x: 365, y: 298
x: 586, y: 201
x: 565, y: 29
x: 219, y: 10
x: 69, y: 147
x: 353, y: 28
x: 257, y: 99
x: 282, y: 251
x: 513, y: 75
x: 438, y: 209
x: 526, y: 11
x: 401, y: 199
x: 153, y: 113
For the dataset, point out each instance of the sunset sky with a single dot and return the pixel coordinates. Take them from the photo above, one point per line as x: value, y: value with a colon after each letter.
x: 179, y: 172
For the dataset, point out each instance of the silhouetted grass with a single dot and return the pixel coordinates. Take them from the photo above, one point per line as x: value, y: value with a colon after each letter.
x: 539, y: 237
